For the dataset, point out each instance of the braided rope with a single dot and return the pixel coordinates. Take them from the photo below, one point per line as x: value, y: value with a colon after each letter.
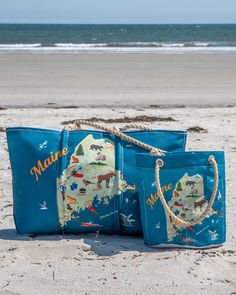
x: 134, y: 126
x: 77, y: 125
x: 157, y: 152
x: 176, y: 219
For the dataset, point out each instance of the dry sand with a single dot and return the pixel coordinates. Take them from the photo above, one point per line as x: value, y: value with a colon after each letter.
x: 117, y: 79
x: 116, y: 265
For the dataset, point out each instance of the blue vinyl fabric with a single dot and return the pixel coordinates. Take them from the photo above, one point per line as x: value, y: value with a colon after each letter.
x: 186, y: 181
x: 79, y: 181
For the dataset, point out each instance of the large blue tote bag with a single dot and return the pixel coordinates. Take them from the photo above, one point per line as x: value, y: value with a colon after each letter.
x: 182, y: 199
x: 79, y: 181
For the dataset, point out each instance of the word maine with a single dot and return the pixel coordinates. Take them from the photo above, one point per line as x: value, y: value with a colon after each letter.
x: 39, y: 168
x: 153, y: 198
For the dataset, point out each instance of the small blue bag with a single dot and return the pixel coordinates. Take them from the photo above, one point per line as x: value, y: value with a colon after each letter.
x: 78, y: 181
x: 182, y: 199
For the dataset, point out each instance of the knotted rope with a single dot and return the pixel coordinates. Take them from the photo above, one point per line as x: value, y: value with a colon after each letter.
x: 77, y: 125
x: 156, y: 152
x: 134, y: 126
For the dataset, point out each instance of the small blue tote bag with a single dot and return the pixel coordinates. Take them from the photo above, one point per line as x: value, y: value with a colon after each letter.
x: 78, y: 181
x: 182, y: 199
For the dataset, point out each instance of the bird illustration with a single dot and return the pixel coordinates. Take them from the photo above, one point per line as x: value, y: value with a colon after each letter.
x: 213, y: 235
x: 126, y: 220
x: 43, y: 145
x: 87, y: 182
x: 43, y: 206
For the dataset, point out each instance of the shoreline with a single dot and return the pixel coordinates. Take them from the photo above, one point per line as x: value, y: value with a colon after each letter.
x: 120, y: 106
x: 27, y: 49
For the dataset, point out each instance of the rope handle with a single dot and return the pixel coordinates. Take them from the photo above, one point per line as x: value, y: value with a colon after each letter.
x: 77, y: 125
x: 176, y: 219
x: 134, y: 126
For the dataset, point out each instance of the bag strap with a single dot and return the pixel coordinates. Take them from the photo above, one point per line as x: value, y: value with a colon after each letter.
x: 134, y: 126
x: 155, y: 151
x: 176, y: 219
x: 159, y: 163
x: 77, y: 125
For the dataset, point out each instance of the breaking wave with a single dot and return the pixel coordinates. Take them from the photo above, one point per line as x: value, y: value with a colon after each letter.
x: 122, y: 47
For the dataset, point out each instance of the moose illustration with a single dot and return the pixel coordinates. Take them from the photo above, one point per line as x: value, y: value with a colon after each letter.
x: 199, y: 204
x: 105, y: 177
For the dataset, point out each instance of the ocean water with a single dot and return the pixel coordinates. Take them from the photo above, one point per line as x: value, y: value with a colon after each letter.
x: 117, y: 38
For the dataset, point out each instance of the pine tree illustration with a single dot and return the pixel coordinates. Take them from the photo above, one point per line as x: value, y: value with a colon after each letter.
x: 79, y: 151
x: 179, y: 187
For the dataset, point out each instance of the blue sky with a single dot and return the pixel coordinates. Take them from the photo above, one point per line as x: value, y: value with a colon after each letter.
x: 118, y: 11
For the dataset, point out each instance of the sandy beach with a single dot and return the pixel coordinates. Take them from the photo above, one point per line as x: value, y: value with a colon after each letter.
x: 87, y: 264
x: 45, y: 90
x: 117, y: 79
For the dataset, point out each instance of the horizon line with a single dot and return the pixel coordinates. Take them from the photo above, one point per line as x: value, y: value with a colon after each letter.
x: 91, y: 23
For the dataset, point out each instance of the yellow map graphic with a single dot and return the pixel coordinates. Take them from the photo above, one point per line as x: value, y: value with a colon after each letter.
x: 91, y: 173
x: 188, y: 202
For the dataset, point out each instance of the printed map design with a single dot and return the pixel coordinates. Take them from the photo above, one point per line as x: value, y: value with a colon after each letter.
x: 187, y: 202
x: 90, y: 175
